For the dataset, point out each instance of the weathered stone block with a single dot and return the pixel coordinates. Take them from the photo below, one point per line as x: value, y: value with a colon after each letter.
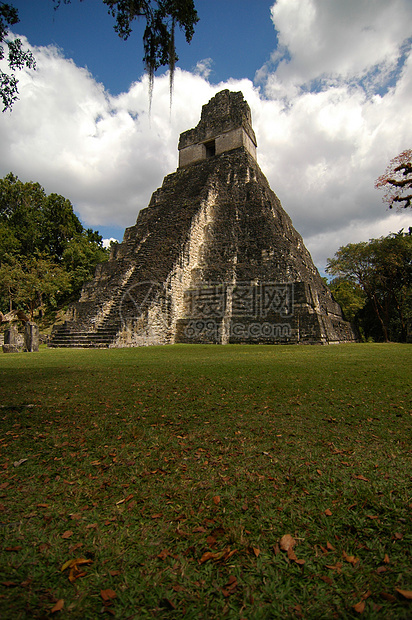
x: 31, y: 337
x: 13, y: 339
x: 11, y: 348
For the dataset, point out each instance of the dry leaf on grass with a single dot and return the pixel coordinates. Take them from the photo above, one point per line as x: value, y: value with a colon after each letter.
x: 405, y: 593
x: 75, y: 562
x: 350, y: 558
x: 58, y: 606
x: 360, y: 607
x: 75, y: 571
x: 108, y: 594
x: 230, y: 586
x: 219, y: 555
x: 287, y: 542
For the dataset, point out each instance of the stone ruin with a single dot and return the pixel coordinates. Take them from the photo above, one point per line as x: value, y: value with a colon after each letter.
x: 214, y: 258
x: 14, y: 342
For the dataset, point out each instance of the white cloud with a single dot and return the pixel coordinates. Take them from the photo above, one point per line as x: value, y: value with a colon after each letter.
x: 336, y: 41
x: 320, y: 149
x: 203, y: 67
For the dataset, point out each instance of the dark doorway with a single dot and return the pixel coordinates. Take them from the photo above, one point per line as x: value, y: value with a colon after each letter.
x: 210, y: 149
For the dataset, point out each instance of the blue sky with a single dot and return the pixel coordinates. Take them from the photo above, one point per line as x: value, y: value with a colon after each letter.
x: 329, y: 84
x: 227, y: 33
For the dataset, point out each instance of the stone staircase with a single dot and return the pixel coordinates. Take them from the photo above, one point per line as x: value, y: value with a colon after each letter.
x: 123, y: 309
x: 65, y: 336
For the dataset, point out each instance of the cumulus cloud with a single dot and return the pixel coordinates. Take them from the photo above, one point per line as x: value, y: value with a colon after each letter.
x: 329, y: 111
x: 323, y: 44
x: 204, y: 67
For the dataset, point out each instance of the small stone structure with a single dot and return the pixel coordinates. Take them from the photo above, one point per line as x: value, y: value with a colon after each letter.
x: 214, y: 258
x: 225, y: 125
x: 13, y: 341
x: 31, y: 337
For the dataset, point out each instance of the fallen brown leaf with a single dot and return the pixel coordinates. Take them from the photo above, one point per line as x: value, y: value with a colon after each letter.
x: 386, y: 559
x: 108, y: 594
x: 350, y: 558
x: 210, y: 555
x: 328, y: 512
x: 230, y: 586
x: 360, y: 477
x: 336, y: 567
x: 287, y: 542
x: 163, y: 554
x: 359, y: 607
x: 256, y: 551
x: 388, y: 597
x: 405, y: 593
x: 76, y: 573
x: 58, y: 606
x: 67, y: 534
x: 75, y: 562
x: 216, y: 500
x: 327, y: 580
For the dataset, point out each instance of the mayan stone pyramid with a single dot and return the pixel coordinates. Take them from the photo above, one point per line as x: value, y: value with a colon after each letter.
x: 214, y: 258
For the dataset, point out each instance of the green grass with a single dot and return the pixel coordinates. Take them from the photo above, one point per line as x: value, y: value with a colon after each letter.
x: 153, y: 457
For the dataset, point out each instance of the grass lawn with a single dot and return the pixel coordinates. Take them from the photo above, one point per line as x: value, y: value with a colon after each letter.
x: 206, y: 482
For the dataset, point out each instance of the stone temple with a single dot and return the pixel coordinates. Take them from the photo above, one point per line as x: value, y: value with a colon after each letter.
x: 214, y: 258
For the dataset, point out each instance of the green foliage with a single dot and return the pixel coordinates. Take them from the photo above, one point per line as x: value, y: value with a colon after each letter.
x: 46, y: 255
x: 17, y: 57
x: 81, y: 255
x: 382, y: 269
x: 349, y: 296
x: 28, y: 281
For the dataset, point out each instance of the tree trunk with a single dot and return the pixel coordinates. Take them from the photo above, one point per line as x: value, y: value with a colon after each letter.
x: 384, y: 327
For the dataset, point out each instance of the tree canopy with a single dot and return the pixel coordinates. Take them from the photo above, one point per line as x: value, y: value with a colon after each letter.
x: 396, y: 181
x: 17, y: 57
x: 382, y: 268
x: 45, y: 253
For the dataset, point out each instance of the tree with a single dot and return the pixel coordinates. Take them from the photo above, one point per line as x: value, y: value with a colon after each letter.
x: 30, y: 282
x: 397, y: 181
x: 349, y: 296
x: 45, y: 253
x: 81, y: 256
x: 383, y: 269
x: 17, y: 57
x: 39, y: 222
x: 161, y: 17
